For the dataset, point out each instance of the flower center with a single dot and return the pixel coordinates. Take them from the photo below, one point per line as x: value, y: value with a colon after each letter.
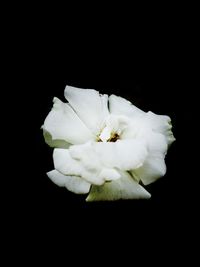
x: 113, y: 138
x: 113, y: 128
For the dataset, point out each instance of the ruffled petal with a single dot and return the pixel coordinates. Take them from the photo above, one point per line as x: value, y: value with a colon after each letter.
x: 122, y: 154
x: 76, y: 161
x: 74, y: 184
x: 64, y: 163
x: 123, y: 188
x: 156, y: 142
x: 161, y: 124
x: 153, y: 168
x: 141, y: 119
x: 154, y: 165
x: 91, y: 107
x: 121, y: 106
x: 62, y: 123
x: 100, y: 162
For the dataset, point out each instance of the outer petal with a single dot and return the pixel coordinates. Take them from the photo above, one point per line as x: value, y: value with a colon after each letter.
x: 121, y: 106
x: 123, y: 188
x: 54, y: 143
x: 57, y: 178
x: 64, y: 124
x: 89, y: 168
x: 65, y: 164
x: 72, y: 183
x: 100, y: 162
x: 157, y: 123
x: 91, y: 107
x: 156, y: 142
x: 161, y: 124
x: 154, y: 166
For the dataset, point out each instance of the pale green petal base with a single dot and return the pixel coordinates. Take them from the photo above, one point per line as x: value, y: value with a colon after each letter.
x: 123, y: 188
x: 54, y: 143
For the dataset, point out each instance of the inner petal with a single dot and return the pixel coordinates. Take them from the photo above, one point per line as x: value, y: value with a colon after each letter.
x: 114, y: 126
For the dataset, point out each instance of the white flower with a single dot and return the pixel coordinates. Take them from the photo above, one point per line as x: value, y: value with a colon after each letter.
x: 105, y: 146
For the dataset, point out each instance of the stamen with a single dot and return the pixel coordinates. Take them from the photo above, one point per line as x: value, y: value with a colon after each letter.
x: 114, y: 137
x: 98, y: 139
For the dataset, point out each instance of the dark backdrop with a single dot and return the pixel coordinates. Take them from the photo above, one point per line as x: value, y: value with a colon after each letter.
x: 152, y: 69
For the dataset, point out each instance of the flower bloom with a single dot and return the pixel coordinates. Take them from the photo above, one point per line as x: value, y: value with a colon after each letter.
x: 105, y: 146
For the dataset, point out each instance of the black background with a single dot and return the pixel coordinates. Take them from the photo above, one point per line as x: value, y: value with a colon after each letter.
x: 150, y: 63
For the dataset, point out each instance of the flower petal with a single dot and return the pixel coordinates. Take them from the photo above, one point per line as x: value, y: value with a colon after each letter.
x: 100, y: 162
x: 154, y: 165
x: 153, y: 168
x: 161, y: 124
x: 121, y: 106
x: 88, y: 167
x: 150, y: 120
x: 122, y: 154
x: 114, y: 124
x: 156, y: 142
x: 64, y: 124
x: 57, y: 178
x: 64, y: 163
x: 54, y: 143
x: 123, y: 188
x: 72, y: 183
x: 91, y: 107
